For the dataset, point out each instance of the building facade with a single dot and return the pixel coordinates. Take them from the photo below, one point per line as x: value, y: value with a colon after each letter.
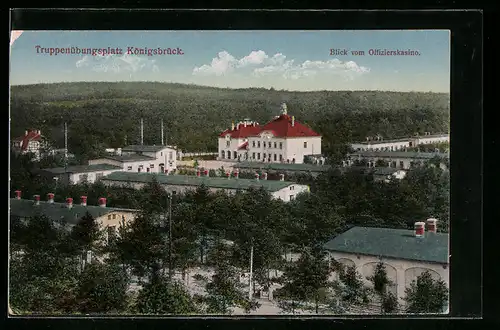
x: 282, y: 140
x: 404, y: 255
x: 397, y: 159
x: 178, y: 184
x: 31, y: 142
x: 379, y: 144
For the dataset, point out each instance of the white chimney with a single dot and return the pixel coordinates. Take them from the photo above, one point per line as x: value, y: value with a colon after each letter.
x: 232, y: 126
x: 25, y: 133
x: 293, y: 121
x: 257, y: 176
x: 419, y: 229
x: 228, y: 174
x: 69, y: 202
x: 83, y: 200
x: 431, y: 225
x: 282, y: 177
x: 37, y: 199
x: 50, y: 198
x: 264, y: 176
x: 236, y: 174
x: 102, y: 202
x: 18, y: 194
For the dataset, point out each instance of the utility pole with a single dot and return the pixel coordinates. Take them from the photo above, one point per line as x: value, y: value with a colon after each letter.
x: 250, y: 289
x: 170, y: 264
x: 142, y: 131
x: 65, y: 146
x: 162, y: 133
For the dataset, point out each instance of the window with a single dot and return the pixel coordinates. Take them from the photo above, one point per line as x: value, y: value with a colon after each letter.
x: 223, y: 154
x: 147, y: 169
x: 401, y: 164
x: 228, y: 144
x: 281, y: 157
x: 269, y: 145
x: 129, y: 168
x: 292, y: 197
x: 114, y: 216
x: 253, y: 144
x: 275, y: 145
x: 258, y: 155
x: 281, y: 145
x: 235, y: 155
x: 83, y: 177
x: 305, y: 144
x: 253, y: 155
x: 228, y: 154
x: 292, y: 188
x: 174, y: 192
x: 170, y: 155
x: 109, y: 217
x: 152, y: 165
x: 161, y: 153
x: 269, y: 156
x: 275, y: 157
x: 258, y: 144
x: 264, y: 144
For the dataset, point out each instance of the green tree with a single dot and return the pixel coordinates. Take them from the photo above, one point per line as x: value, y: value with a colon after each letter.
x: 351, y: 289
x: 164, y: 296
x: 426, y: 295
x: 304, y: 281
x: 380, y: 282
x: 87, y: 237
x: 102, y: 288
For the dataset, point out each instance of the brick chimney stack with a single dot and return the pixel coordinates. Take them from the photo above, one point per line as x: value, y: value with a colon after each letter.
x: 102, y: 202
x: 69, y: 202
x: 198, y: 173
x: 50, y: 198
x: 257, y: 176
x: 419, y: 229
x: 83, y: 200
x: 431, y: 225
x: 18, y: 194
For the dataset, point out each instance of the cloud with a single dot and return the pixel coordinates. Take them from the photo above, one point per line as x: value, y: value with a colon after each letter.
x: 278, y: 64
x: 117, y: 64
x: 14, y: 35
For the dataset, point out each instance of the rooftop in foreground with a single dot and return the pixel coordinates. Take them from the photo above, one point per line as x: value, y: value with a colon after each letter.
x: 392, y: 243
x: 58, y: 211
x: 186, y: 180
x: 81, y: 168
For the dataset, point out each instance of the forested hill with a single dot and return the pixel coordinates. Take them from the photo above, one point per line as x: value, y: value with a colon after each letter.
x: 108, y: 114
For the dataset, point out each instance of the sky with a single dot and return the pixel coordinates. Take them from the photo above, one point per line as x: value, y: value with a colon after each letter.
x: 289, y: 60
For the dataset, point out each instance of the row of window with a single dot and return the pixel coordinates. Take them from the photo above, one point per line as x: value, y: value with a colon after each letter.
x: 269, y: 144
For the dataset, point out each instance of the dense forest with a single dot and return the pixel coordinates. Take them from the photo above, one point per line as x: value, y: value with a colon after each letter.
x: 101, y: 114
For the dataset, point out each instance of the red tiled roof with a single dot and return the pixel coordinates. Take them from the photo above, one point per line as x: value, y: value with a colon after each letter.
x: 243, y: 146
x: 242, y: 132
x: 282, y: 127
x: 25, y: 139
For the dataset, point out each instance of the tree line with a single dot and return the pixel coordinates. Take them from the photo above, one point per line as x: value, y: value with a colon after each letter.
x: 106, y: 115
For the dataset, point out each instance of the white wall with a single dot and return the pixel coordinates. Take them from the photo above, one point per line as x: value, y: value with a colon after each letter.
x: 382, y: 146
x: 91, y: 176
x: 294, y: 148
x: 166, y: 156
x: 283, y: 194
x: 233, y: 146
x: 289, y: 193
x: 433, y: 139
x: 400, y: 272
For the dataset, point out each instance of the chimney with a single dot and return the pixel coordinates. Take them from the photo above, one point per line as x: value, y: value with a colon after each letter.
x: 69, y: 202
x: 228, y: 174
x: 102, y: 202
x: 236, y: 174
x: 232, y: 126
x: 264, y: 176
x: 198, y: 173
x: 205, y: 172
x: 419, y: 229
x: 431, y: 225
x: 257, y: 176
x: 282, y: 177
x: 83, y: 200
x: 293, y: 121
x: 50, y: 198
x: 25, y: 133
x: 39, y: 132
x: 18, y: 194
x: 37, y: 199
x: 245, y: 124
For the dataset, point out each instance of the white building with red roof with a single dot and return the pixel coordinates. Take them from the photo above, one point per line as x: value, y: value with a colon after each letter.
x: 282, y: 140
x: 30, y: 142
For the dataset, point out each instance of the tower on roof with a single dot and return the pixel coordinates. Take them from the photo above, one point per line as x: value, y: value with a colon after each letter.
x: 283, y: 108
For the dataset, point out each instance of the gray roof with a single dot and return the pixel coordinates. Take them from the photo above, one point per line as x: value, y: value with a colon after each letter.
x: 392, y: 243
x: 186, y: 180
x: 399, y: 154
x: 82, y: 168
x: 129, y: 158
x: 406, y: 139
x: 58, y: 211
x: 282, y: 167
x: 144, y: 148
